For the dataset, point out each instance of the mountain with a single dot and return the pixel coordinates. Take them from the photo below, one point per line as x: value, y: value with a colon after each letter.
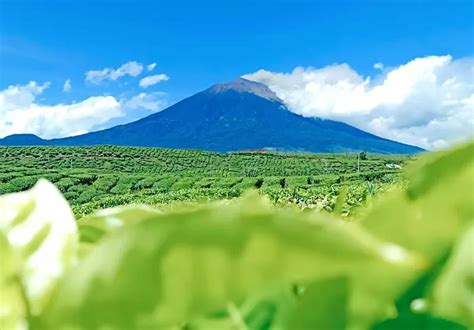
x: 22, y: 140
x: 240, y: 115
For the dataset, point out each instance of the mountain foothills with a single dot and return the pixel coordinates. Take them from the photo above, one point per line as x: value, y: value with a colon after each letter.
x: 240, y: 115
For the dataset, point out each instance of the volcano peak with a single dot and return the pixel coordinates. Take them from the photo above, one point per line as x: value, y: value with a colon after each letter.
x: 242, y: 85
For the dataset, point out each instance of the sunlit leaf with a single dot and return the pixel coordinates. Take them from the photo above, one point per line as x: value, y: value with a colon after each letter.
x: 13, y: 308
x: 42, y: 233
x: 93, y: 227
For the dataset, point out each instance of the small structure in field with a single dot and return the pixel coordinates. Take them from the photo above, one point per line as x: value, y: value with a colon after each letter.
x: 393, y: 166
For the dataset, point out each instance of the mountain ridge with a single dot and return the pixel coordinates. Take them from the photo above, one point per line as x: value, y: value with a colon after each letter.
x: 234, y: 116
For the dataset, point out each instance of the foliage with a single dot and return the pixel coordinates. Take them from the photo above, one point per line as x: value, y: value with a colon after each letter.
x: 38, y: 243
x: 405, y: 262
x: 105, y: 176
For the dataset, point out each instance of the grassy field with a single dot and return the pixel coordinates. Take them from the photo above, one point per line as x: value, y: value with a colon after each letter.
x: 404, y: 261
x: 92, y: 178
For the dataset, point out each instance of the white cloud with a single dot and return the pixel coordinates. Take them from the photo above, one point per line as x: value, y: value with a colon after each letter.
x: 18, y: 96
x: 379, y: 66
x: 151, y: 66
x: 151, y: 101
x: 427, y: 102
x: 128, y: 69
x: 153, y: 80
x: 21, y: 113
x: 67, y: 86
x: 131, y: 68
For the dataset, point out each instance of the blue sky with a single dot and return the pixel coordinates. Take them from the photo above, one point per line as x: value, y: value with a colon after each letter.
x: 199, y: 43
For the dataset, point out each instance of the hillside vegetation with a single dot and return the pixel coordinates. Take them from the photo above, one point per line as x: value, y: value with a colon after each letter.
x: 97, y: 177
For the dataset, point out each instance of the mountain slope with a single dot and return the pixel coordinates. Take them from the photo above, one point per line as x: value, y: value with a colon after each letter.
x: 22, y: 140
x: 240, y: 115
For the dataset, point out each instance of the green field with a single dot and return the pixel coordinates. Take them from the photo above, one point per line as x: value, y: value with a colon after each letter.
x: 97, y: 177
x: 400, y: 261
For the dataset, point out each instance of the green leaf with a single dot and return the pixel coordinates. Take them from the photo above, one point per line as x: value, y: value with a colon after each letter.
x: 176, y: 266
x: 322, y: 305
x: 260, y: 312
x: 429, y: 218
x: 453, y: 293
x: 430, y: 223
x: 419, y: 322
x: 13, y: 308
x: 41, y: 231
x: 435, y: 168
x: 95, y: 226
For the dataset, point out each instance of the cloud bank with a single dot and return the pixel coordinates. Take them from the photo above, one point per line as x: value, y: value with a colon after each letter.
x: 153, y: 80
x: 150, y: 101
x: 132, y: 68
x: 428, y: 102
x: 20, y: 112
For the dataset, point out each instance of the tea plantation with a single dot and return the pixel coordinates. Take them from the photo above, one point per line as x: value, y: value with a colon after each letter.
x: 93, y: 178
